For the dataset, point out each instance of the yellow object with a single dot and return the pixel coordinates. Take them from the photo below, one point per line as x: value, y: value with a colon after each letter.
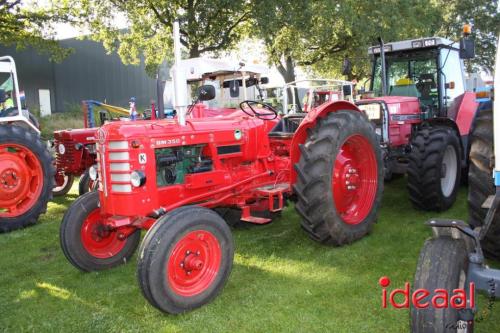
x: 404, y: 82
x: 9, y: 103
x: 115, y: 109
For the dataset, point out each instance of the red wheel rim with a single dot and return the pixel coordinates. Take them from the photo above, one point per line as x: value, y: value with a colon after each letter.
x: 354, y: 181
x: 21, y: 180
x: 99, y: 241
x: 194, y: 263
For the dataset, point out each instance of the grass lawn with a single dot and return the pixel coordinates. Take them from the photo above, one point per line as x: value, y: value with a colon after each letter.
x: 281, y: 280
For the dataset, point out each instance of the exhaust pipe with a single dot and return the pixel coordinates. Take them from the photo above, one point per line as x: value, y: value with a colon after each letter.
x: 179, y: 78
x: 382, y: 67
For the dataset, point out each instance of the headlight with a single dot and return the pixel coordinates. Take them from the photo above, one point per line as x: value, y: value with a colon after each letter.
x: 137, y: 178
x: 61, y: 149
x: 93, y: 172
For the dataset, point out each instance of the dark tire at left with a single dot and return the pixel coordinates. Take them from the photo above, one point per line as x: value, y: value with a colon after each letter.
x: 442, y: 264
x: 86, y: 244
x: 185, y: 259
x: 29, y: 177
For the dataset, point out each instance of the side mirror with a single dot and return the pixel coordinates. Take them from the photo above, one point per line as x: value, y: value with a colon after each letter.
x: 234, y: 88
x: 3, y: 97
x: 347, y: 90
x: 206, y: 92
x: 467, y: 50
x: 346, y: 67
x: 264, y: 80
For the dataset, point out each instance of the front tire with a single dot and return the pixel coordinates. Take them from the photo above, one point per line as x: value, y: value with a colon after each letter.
x: 85, y: 184
x: 87, y: 244
x: 442, y: 264
x: 185, y: 259
x: 65, y: 187
x: 434, y: 168
x: 480, y: 181
x: 339, y: 179
x: 26, y: 177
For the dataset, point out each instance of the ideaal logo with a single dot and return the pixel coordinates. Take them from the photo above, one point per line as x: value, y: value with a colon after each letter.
x: 419, y: 298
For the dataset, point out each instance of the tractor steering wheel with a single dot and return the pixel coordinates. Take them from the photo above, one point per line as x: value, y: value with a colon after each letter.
x: 272, y: 114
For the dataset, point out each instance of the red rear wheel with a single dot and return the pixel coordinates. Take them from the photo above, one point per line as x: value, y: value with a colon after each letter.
x: 21, y: 179
x: 26, y: 177
x: 185, y: 259
x: 354, y: 181
x: 339, y: 178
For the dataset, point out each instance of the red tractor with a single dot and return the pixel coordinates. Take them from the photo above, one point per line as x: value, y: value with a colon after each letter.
x: 184, y: 179
x: 75, y: 148
x: 26, y: 172
x: 423, y: 116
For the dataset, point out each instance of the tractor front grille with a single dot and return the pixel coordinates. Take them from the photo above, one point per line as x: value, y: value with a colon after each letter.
x: 67, y: 160
x: 117, y: 157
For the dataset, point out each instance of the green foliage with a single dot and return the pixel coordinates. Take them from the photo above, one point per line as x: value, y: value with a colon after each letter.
x: 282, y: 281
x: 321, y: 33
x: 206, y: 26
x: 25, y: 26
x: 485, y: 19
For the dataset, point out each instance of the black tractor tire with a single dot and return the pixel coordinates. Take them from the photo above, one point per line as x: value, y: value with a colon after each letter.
x: 12, y: 134
x: 70, y: 236
x: 442, y: 264
x: 160, y: 246
x: 315, y: 198
x: 59, y: 191
x: 481, y: 185
x: 85, y: 184
x: 427, y: 168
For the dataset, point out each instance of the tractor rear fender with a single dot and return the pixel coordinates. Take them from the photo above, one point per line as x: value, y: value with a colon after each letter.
x: 447, y: 122
x: 308, y: 122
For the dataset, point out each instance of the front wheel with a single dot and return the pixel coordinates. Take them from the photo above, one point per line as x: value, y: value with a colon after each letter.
x: 86, y: 184
x: 185, y: 259
x: 442, y: 264
x: 87, y: 243
x: 65, y: 187
x: 339, y: 178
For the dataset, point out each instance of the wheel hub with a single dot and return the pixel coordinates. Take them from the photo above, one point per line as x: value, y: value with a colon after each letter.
x: 194, y: 263
x: 98, y: 240
x: 354, y: 180
x: 21, y: 179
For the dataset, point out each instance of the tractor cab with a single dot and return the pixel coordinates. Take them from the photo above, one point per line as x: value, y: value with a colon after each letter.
x: 231, y: 82
x: 429, y: 69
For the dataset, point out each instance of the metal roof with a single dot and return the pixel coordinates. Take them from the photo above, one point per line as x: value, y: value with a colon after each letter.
x: 196, y: 68
x: 410, y: 44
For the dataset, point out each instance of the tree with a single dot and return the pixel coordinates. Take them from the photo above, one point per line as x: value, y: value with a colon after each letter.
x: 22, y: 26
x: 485, y: 19
x: 206, y: 26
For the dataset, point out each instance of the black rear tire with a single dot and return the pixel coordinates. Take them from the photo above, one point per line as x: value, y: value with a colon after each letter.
x: 442, y: 264
x: 59, y: 191
x: 70, y: 237
x: 31, y: 141
x: 315, y: 198
x: 480, y: 179
x: 426, y: 170
x: 159, y: 248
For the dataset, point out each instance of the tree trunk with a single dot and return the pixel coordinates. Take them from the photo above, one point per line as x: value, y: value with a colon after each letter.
x: 287, y: 71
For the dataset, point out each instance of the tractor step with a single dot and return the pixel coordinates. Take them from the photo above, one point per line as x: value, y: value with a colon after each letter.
x: 274, y: 194
x: 247, y: 217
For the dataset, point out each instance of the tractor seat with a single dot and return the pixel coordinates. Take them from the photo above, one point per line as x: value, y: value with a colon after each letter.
x: 287, y: 126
